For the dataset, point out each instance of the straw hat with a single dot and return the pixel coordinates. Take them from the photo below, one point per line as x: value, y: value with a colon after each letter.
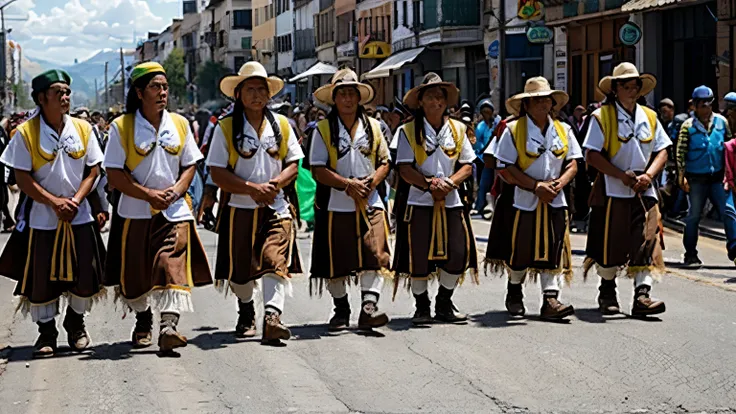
x: 536, y: 87
x: 411, y: 99
x: 342, y: 78
x: 627, y: 71
x: 248, y: 71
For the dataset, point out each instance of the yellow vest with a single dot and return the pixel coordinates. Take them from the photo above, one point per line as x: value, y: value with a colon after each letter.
x: 608, y: 119
x: 420, y: 155
x: 324, y: 130
x: 126, y: 129
x: 226, y: 124
x: 519, y: 130
x: 31, y: 133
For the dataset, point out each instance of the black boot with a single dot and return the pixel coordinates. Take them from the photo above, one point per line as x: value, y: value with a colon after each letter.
x: 142, y: 333
x: 444, y: 309
x: 246, y: 326
x: 370, y: 317
x: 76, y: 333
x: 423, y: 313
x: 169, y: 338
x: 553, y: 309
x: 607, y: 298
x: 644, y: 305
x: 341, y: 319
x: 46, y: 343
x: 515, y: 299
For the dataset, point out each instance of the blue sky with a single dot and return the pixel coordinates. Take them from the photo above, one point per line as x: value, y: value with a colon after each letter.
x: 60, y: 31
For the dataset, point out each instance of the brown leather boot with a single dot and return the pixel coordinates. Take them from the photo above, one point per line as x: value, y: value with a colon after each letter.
x: 169, y: 338
x: 515, y: 299
x: 142, y: 333
x: 341, y: 319
x: 46, y: 343
x: 607, y: 298
x: 273, y: 330
x: 644, y: 305
x: 76, y: 333
x: 423, y: 313
x: 553, y: 309
x: 370, y: 317
x: 444, y: 309
x: 246, y: 326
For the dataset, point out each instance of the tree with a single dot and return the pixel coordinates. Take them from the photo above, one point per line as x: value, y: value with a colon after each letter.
x: 22, y: 96
x: 174, y: 66
x: 208, y: 80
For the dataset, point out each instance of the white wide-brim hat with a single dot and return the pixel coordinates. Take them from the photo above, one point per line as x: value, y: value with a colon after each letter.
x: 627, y: 71
x: 341, y: 79
x: 250, y: 70
x: 536, y: 87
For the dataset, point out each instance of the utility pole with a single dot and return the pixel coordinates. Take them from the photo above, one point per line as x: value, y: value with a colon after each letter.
x: 3, y: 58
x: 107, y: 97
x: 122, y: 76
x: 96, y: 94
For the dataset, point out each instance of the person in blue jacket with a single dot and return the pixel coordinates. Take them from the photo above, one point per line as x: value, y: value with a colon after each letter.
x: 483, y: 135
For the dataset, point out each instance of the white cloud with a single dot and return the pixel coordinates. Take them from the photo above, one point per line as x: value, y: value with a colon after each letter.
x: 79, y: 28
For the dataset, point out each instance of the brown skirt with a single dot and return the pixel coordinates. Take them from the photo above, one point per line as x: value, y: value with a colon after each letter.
x: 624, y: 231
x: 426, y: 252
x: 29, y: 259
x: 538, y: 238
x: 148, y: 254
x: 498, y: 250
x: 349, y: 243
x: 253, y: 242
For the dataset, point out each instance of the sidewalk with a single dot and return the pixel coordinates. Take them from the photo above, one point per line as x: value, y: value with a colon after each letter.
x: 708, y: 228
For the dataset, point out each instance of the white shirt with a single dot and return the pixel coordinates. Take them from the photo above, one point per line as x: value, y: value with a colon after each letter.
x: 546, y: 167
x: 159, y: 170
x: 633, y: 155
x: 352, y: 162
x: 261, y: 167
x: 60, y: 177
x: 438, y: 163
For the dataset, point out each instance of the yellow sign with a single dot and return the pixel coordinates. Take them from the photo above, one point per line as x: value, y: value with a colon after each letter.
x: 530, y: 10
x: 375, y: 50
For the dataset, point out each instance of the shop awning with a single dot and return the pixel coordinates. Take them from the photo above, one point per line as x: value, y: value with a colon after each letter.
x: 636, y: 5
x: 317, y: 69
x: 393, y: 62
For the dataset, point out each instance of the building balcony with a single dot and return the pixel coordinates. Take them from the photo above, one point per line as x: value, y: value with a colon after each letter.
x: 446, y: 34
x: 304, y: 47
x: 452, y: 14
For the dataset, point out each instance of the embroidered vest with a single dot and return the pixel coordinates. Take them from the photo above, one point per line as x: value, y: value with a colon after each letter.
x: 519, y: 130
x: 126, y: 129
x: 31, y: 133
x: 324, y: 130
x: 420, y: 154
x: 226, y: 124
x: 608, y: 119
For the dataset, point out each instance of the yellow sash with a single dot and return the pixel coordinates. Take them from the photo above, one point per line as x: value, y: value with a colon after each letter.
x: 226, y: 124
x: 420, y: 155
x: 608, y: 119
x: 519, y: 133
x: 324, y: 130
x: 31, y: 133
x: 126, y: 129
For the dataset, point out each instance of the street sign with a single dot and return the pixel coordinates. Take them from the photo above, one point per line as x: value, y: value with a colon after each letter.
x: 629, y: 34
x: 539, y: 34
x: 493, y: 49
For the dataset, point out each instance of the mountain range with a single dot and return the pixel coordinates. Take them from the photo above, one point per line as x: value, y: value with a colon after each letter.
x: 83, y: 73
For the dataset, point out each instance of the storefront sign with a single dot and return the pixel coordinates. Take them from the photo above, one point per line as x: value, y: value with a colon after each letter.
x: 493, y: 49
x: 629, y: 34
x: 539, y: 34
x: 530, y: 10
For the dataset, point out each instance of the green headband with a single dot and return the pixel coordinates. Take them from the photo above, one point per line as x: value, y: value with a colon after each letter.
x: 144, y: 69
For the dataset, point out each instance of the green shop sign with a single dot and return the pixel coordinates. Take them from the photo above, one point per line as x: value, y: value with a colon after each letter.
x: 539, y: 34
x: 629, y: 34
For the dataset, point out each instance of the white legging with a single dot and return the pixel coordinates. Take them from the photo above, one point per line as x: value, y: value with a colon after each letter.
x: 447, y: 280
x: 274, y: 291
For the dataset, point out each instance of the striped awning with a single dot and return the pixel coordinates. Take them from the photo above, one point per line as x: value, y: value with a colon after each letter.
x: 636, y: 5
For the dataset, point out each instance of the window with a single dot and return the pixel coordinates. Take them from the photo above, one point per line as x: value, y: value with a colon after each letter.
x: 190, y: 7
x: 243, y: 19
x: 396, y: 16
x: 246, y: 42
x: 240, y: 61
x: 415, y: 13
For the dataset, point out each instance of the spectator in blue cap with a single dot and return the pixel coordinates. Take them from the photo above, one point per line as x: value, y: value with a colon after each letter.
x: 483, y: 135
x: 700, y: 166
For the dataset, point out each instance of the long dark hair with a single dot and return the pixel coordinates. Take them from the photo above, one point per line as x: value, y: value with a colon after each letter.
x: 419, y: 115
x: 133, y: 103
x: 239, y: 111
x: 333, y: 118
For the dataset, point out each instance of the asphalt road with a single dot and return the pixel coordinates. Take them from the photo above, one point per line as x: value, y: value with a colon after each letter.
x: 683, y: 362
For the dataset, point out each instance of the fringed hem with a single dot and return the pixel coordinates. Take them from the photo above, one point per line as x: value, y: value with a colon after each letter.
x: 655, y: 272
x: 24, y: 304
x: 494, y: 267
x: 158, y: 298
x: 223, y: 286
x: 317, y: 285
x: 407, y: 278
x: 587, y: 265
